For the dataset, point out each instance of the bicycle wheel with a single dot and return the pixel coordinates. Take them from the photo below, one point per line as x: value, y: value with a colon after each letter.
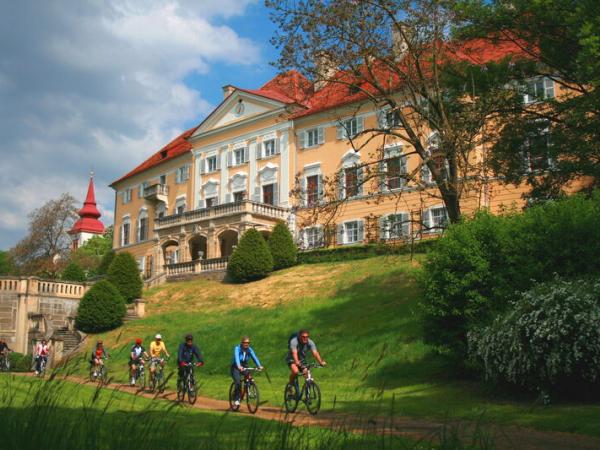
x: 232, y: 405
x: 252, y: 397
x: 153, y: 381
x: 312, y: 397
x: 160, y: 382
x: 103, y: 375
x: 180, y: 390
x: 191, y: 390
x: 290, y: 398
x: 93, y: 374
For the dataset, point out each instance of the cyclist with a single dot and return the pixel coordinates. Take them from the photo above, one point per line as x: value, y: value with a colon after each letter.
x: 98, y: 354
x: 186, y: 353
x: 42, y: 351
x: 299, y: 345
x: 136, y: 358
x: 239, y: 363
x: 4, y: 350
x: 157, y: 348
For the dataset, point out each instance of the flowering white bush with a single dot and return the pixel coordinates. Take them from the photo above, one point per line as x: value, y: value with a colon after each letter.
x: 549, y: 339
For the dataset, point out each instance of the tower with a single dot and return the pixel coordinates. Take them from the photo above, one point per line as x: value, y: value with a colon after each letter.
x: 88, y: 224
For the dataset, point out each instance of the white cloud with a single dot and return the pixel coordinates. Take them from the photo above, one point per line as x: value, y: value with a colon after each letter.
x: 99, y: 85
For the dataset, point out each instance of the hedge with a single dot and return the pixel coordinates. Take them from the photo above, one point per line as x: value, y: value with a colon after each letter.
x: 251, y: 259
x: 124, y: 274
x: 282, y: 247
x: 102, y: 308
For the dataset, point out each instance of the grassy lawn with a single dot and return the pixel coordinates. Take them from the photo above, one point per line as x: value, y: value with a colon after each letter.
x: 364, y: 318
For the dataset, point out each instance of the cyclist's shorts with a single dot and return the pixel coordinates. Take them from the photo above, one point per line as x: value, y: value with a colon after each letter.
x: 136, y: 362
x: 154, y: 362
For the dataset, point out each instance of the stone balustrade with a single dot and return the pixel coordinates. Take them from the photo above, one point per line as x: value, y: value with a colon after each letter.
x: 197, y: 266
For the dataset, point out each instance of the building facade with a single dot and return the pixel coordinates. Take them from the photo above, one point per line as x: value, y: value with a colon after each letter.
x: 269, y: 155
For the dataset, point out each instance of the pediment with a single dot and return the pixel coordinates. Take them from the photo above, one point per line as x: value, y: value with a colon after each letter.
x: 237, y: 108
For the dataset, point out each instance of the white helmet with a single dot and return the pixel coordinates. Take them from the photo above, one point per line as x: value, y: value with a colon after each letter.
x: 158, y: 336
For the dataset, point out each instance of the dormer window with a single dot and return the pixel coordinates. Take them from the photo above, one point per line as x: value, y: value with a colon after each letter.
x: 164, y: 154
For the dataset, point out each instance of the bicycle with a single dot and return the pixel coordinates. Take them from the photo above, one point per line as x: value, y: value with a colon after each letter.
x: 310, y: 393
x: 42, y: 365
x: 4, y: 363
x: 157, y: 376
x: 249, y: 391
x: 99, y: 373
x: 138, y: 377
x: 187, y: 384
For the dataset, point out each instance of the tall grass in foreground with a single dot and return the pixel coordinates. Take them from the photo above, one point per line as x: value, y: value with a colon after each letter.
x: 58, y: 414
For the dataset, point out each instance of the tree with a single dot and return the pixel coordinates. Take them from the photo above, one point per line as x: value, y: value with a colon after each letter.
x: 106, y: 262
x: 251, y: 259
x: 395, y: 55
x: 102, y: 308
x: 47, y: 240
x: 282, y: 247
x: 73, y: 272
x: 6, y: 264
x: 124, y: 274
x: 561, y: 40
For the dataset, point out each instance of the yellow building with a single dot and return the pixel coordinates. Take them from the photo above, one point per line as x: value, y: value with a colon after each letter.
x: 182, y: 210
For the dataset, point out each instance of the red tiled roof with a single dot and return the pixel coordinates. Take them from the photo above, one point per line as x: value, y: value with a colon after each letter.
x: 89, y: 214
x: 177, y: 147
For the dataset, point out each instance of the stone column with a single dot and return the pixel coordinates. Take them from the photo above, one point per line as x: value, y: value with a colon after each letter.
x: 140, y: 307
x: 22, y: 323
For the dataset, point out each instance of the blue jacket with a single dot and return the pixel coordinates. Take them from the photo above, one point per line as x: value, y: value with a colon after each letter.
x: 186, y: 354
x: 240, y: 357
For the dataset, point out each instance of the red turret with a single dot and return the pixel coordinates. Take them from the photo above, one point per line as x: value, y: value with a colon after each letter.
x: 88, y: 224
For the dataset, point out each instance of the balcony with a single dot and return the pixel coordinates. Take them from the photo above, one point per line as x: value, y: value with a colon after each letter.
x: 157, y: 193
x: 226, y: 209
x: 195, y: 267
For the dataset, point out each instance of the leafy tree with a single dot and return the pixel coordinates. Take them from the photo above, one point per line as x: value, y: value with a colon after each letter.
x: 6, y: 264
x: 282, y: 247
x: 396, y: 56
x: 561, y: 41
x: 106, y: 262
x: 251, y: 259
x: 47, y: 241
x: 97, y: 245
x: 73, y: 272
x: 124, y: 274
x: 102, y: 308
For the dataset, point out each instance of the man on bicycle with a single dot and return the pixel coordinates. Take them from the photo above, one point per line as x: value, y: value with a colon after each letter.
x: 136, y: 358
x: 98, y: 356
x: 186, y: 353
x: 42, y: 351
x: 4, y: 350
x: 157, y: 348
x: 239, y: 364
x: 299, y: 345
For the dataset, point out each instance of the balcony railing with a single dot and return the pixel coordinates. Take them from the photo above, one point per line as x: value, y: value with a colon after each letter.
x: 225, y: 209
x: 156, y: 190
x: 197, y: 266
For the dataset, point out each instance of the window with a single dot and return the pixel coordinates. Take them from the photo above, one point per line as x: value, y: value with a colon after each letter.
x: 162, y: 179
x: 270, y: 147
x: 352, y: 232
x: 211, y: 164
x: 396, y: 226
x: 239, y: 196
x: 538, y: 89
x: 127, y: 195
x: 313, y: 237
x: 143, y: 229
x: 211, y: 201
x: 536, y: 156
x: 182, y: 174
x: 395, y: 172
x: 312, y: 190
x: 349, y: 128
x: 238, y: 156
x: 312, y: 137
x: 351, y: 182
x: 125, y: 230
x: 425, y: 174
x: 142, y: 189
x: 392, y: 119
x: 436, y: 219
x: 268, y: 194
x: 180, y: 206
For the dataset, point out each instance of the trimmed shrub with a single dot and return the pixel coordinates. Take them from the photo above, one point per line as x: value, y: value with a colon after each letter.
x: 251, y: 259
x: 105, y: 262
x: 124, y: 274
x: 282, y: 247
x: 73, y: 272
x: 478, y: 265
x: 360, y: 251
x: 549, y: 340
x: 102, y: 308
x: 20, y: 362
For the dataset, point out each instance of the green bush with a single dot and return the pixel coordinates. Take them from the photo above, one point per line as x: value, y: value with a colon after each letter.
x: 548, y: 341
x: 124, y: 274
x: 107, y: 259
x: 251, y: 259
x: 73, y: 272
x: 353, y: 252
x: 282, y: 247
x: 102, y: 308
x: 20, y: 362
x: 478, y: 265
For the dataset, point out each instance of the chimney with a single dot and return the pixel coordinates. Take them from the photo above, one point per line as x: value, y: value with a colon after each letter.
x: 325, y: 68
x: 399, y: 45
x: 228, y: 90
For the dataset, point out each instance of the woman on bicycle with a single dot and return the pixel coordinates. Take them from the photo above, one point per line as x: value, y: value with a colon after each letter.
x: 98, y: 355
x: 239, y: 363
x: 42, y: 351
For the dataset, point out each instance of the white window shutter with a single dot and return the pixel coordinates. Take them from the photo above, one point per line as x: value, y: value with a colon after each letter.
x: 427, y: 220
x: 360, y: 124
x: 320, y: 187
x: 301, y: 139
x: 405, y: 224
x: 259, y: 150
x: 275, y: 194
x: 201, y: 204
x: 340, y: 234
x: 361, y: 231
x: 383, y: 232
x: 246, y: 154
x: 341, y: 185
x: 228, y: 198
x: 256, y: 195
x: 230, y: 158
x: 320, y: 135
x: 304, y: 188
x: 382, y: 119
x: 360, y: 180
x: 381, y: 167
x: 218, y: 162
x: 277, y: 146
x: 340, y: 131
x: 140, y: 191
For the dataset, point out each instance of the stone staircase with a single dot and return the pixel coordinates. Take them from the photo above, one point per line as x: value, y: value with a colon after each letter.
x: 130, y: 314
x: 71, y: 339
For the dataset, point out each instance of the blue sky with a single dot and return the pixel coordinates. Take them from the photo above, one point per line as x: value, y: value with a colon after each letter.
x: 103, y: 84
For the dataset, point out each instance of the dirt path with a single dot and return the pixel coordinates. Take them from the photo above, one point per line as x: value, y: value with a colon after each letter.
x: 504, y: 437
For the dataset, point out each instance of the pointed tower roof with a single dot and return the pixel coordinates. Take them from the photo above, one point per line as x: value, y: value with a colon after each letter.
x: 89, y: 214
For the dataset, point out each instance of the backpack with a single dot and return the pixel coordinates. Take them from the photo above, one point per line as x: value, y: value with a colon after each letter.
x: 292, y: 336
